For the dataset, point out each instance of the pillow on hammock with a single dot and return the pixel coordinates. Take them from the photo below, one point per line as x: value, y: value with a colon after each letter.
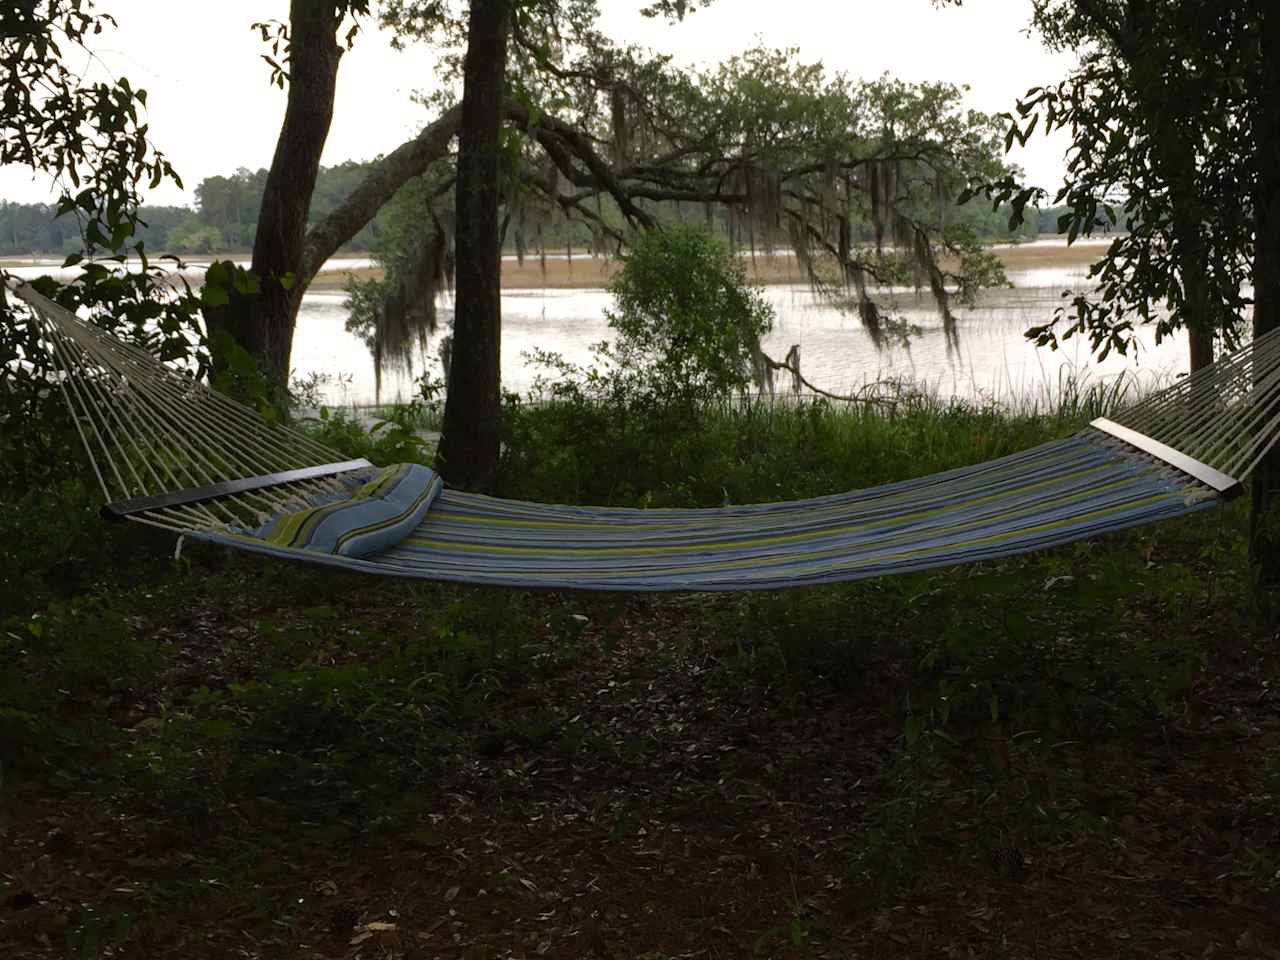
x: 377, y: 516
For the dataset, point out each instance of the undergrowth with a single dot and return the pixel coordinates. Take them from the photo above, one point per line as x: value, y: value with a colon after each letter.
x: 748, y: 451
x: 243, y: 704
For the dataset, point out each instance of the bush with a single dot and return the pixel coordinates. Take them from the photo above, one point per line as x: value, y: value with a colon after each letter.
x: 395, y: 438
x: 688, y: 328
x: 688, y: 323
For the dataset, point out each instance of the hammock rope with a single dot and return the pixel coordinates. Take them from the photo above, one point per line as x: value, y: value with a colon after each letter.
x: 170, y: 452
x: 150, y: 429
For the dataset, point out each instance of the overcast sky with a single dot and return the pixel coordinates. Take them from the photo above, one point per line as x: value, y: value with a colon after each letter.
x: 211, y: 108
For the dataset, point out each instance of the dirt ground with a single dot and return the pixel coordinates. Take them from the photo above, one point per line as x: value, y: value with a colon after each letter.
x: 698, y: 813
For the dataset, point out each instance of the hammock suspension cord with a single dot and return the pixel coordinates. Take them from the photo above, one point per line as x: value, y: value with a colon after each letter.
x: 150, y: 429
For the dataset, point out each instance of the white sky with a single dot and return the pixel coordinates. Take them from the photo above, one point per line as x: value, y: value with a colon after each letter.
x: 211, y: 108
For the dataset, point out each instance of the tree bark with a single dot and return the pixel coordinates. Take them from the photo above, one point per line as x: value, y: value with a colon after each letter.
x: 1197, y: 312
x: 263, y: 324
x: 470, y: 441
x: 1264, y: 519
x: 1177, y: 160
x: 392, y: 172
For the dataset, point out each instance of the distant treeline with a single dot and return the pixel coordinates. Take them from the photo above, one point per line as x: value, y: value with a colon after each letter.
x: 226, y: 211
x: 225, y: 217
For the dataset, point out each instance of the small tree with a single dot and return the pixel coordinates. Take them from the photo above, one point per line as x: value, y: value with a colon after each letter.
x: 687, y: 328
x: 688, y: 323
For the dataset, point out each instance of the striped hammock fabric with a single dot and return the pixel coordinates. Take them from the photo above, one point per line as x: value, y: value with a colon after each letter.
x: 1059, y: 492
x: 171, y: 453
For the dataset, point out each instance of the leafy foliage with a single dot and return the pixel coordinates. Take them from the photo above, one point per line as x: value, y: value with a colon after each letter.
x: 1161, y: 110
x: 688, y: 323
x: 87, y: 136
x: 395, y: 437
x: 90, y: 138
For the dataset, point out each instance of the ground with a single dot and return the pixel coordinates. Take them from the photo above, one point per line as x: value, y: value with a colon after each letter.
x: 661, y: 777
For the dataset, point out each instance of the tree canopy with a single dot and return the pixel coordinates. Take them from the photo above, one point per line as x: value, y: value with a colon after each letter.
x: 1160, y: 108
x: 779, y: 153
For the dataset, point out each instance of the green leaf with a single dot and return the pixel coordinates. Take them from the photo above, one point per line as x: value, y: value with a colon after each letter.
x: 245, y: 282
x: 214, y: 296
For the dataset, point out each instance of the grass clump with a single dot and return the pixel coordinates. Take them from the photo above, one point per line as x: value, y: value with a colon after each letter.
x: 748, y: 451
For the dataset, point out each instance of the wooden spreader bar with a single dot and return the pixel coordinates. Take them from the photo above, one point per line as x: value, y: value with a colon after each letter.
x: 124, y: 508
x: 1228, y: 487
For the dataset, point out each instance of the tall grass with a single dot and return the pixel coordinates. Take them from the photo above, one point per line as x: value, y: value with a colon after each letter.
x: 752, y: 450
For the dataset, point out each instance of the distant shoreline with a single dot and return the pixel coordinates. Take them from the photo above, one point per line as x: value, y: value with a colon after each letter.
x: 560, y: 273
x: 769, y: 270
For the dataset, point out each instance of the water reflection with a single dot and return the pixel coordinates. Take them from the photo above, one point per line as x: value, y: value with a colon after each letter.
x: 993, y: 360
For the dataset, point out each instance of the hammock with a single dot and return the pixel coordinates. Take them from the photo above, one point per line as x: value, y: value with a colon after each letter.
x: 172, y: 453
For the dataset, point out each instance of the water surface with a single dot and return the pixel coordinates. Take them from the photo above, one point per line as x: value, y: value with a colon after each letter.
x: 992, y: 359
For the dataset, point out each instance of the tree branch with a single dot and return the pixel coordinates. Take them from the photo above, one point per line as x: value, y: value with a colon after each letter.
x: 392, y: 172
x: 556, y: 136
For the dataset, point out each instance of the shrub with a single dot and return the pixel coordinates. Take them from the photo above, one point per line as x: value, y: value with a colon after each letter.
x: 688, y: 323
x: 687, y: 328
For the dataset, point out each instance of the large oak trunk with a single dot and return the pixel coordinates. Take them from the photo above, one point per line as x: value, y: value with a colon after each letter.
x: 263, y: 324
x: 1176, y: 160
x: 469, y: 447
x: 1197, y: 309
x: 1264, y: 527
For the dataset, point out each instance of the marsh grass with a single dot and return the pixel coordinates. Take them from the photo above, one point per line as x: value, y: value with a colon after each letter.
x: 753, y: 449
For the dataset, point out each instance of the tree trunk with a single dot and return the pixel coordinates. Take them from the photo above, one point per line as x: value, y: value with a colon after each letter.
x: 469, y: 446
x: 1198, y: 314
x: 263, y: 324
x: 1264, y: 520
x: 1176, y: 158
